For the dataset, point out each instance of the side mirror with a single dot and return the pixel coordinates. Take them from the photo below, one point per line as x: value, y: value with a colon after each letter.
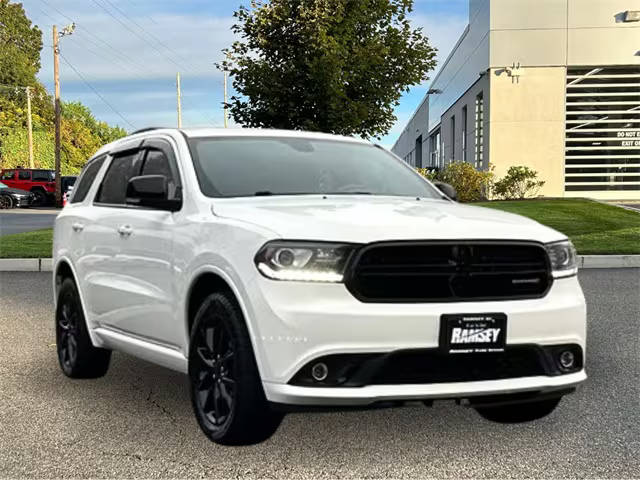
x: 151, y: 191
x: 447, y: 189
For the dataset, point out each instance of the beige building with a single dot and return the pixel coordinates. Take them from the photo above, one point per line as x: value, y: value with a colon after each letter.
x: 551, y: 84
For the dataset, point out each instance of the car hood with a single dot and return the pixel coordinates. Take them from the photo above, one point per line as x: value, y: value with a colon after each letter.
x: 14, y: 191
x: 363, y: 219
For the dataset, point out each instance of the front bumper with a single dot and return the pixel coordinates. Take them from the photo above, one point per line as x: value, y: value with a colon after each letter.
x: 371, y: 394
x: 293, y: 323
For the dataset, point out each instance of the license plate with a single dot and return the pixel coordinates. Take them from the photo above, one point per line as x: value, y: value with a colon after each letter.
x: 473, y: 333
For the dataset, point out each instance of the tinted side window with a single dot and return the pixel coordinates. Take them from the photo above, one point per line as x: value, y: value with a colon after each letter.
x: 42, y: 176
x: 157, y: 163
x: 24, y: 175
x: 86, y: 180
x: 113, y: 189
x: 8, y: 175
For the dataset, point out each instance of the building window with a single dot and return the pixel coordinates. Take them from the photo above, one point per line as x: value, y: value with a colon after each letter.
x: 453, y: 139
x: 479, y: 131
x: 434, y: 149
x: 602, y: 133
x: 464, y: 133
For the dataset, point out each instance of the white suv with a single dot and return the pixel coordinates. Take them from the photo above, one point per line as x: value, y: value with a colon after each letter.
x: 286, y: 270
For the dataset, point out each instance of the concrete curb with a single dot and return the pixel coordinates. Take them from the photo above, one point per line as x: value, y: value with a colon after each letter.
x: 584, y: 261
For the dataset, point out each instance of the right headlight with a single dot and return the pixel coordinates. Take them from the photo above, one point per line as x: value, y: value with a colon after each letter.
x: 304, y: 261
x: 563, y: 258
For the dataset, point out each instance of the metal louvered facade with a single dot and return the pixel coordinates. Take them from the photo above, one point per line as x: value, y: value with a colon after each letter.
x: 602, y: 140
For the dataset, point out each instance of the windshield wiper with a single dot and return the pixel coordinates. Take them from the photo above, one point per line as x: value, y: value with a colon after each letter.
x: 355, y: 192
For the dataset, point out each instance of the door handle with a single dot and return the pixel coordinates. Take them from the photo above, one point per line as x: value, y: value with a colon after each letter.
x: 77, y: 227
x: 125, y: 230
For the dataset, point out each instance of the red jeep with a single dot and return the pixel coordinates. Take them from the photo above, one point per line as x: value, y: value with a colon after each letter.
x: 40, y: 182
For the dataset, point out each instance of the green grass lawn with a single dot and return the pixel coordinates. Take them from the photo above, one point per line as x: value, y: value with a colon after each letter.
x: 593, y: 227
x: 36, y: 244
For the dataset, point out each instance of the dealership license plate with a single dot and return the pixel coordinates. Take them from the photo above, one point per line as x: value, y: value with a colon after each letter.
x: 473, y: 333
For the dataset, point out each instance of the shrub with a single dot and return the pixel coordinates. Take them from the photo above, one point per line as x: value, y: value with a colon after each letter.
x: 471, y: 185
x: 520, y: 182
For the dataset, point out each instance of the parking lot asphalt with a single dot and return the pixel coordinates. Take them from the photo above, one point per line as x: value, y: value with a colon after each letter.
x: 18, y: 220
x: 137, y: 420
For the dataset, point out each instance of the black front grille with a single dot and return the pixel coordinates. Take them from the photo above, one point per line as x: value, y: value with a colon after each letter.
x: 449, y: 271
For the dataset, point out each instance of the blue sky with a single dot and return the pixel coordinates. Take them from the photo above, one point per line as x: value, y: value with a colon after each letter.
x: 130, y: 50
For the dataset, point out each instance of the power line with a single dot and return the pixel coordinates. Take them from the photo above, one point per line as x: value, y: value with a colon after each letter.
x: 86, y: 82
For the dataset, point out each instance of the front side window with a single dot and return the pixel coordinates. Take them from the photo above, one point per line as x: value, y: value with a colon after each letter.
x: 86, y: 180
x: 113, y: 190
x: 157, y: 163
x: 241, y: 167
x: 8, y: 175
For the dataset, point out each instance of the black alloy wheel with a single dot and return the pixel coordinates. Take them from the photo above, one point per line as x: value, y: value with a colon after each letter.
x: 6, y: 202
x: 77, y: 356
x: 215, y: 387
x: 226, y: 389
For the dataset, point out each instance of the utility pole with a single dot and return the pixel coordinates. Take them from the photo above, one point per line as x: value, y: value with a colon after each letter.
x: 226, y: 112
x: 68, y: 30
x: 179, y: 100
x: 29, y: 126
x: 56, y: 82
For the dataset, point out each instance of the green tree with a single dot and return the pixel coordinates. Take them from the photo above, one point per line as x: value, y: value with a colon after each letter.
x: 20, y: 45
x: 78, y: 112
x: 337, y: 66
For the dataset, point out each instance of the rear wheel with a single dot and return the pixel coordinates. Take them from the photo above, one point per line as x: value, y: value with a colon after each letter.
x: 519, y: 412
x: 6, y: 202
x: 77, y: 356
x: 226, y: 390
x: 39, y: 197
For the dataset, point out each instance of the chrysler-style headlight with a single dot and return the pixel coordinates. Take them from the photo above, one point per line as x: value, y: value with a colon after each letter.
x: 303, y: 261
x: 563, y: 258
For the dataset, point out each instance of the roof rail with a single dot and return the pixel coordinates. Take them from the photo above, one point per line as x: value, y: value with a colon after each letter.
x: 147, y: 129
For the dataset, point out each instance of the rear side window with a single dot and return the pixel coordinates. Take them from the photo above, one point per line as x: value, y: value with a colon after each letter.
x: 8, y: 175
x: 86, y: 180
x: 113, y: 189
x: 24, y: 175
x: 42, y: 176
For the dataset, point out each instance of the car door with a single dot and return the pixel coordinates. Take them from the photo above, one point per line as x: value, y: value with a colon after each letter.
x: 8, y: 178
x: 105, y: 282
x: 144, y: 261
x: 23, y: 181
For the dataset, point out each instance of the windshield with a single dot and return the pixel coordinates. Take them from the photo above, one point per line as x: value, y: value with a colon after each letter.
x: 241, y: 167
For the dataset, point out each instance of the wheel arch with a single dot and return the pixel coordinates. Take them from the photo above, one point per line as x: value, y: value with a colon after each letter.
x: 62, y: 269
x: 211, y: 279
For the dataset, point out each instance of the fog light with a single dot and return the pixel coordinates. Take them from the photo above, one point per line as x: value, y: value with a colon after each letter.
x: 567, y: 359
x: 319, y: 372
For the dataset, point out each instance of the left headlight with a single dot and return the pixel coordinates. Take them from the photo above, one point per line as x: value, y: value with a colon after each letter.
x: 304, y: 261
x: 563, y: 258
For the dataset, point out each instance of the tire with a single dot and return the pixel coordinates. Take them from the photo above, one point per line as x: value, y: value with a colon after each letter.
x: 519, y: 412
x: 77, y: 356
x: 6, y: 202
x: 226, y: 390
x: 39, y: 198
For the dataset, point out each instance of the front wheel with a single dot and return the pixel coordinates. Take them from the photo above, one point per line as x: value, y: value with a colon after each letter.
x: 519, y: 412
x: 6, y: 202
x: 226, y: 390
